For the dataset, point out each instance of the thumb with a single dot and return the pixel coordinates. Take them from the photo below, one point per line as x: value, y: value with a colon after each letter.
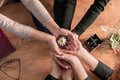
x: 60, y: 56
x: 63, y: 57
x: 57, y: 51
x: 68, y: 51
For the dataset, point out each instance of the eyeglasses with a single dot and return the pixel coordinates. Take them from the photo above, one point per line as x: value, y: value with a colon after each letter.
x: 11, y: 69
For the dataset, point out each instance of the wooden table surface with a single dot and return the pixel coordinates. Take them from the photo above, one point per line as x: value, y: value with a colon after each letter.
x: 34, y: 54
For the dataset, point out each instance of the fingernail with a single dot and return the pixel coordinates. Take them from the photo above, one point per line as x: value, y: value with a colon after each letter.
x: 66, y: 67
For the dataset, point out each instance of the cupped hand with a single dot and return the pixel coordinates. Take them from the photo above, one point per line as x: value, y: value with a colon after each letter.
x: 53, y: 45
x: 80, y: 49
x: 72, y: 43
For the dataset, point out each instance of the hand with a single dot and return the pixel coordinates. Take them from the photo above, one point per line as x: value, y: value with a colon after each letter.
x: 76, y: 65
x: 59, y: 61
x: 57, y: 71
x: 80, y: 49
x: 70, y: 35
x: 53, y: 45
x: 69, y: 58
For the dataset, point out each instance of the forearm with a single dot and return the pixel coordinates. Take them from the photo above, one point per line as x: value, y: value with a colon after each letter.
x: 41, y: 36
x: 53, y: 27
x: 93, y: 12
x: 39, y: 11
x: 88, y: 59
x: 23, y: 30
x: 79, y: 70
x: 98, y: 68
x: 15, y: 27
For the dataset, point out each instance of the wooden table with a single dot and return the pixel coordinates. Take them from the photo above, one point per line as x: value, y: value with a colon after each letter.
x: 34, y: 54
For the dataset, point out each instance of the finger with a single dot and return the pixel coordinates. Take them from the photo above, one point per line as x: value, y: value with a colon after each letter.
x: 68, y: 51
x: 57, y: 52
x: 53, y: 55
x: 72, y: 42
x: 71, y: 45
x: 68, y: 47
x: 75, y: 44
x: 64, y: 65
x: 61, y: 57
x: 71, y: 36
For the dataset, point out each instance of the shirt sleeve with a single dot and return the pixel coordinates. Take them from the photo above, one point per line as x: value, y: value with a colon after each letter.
x: 15, y: 27
x: 38, y: 10
x: 50, y: 77
x: 103, y: 71
x: 91, y: 15
x: 88, y: 78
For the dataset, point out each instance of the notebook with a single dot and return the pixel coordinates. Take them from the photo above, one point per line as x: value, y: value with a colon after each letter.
x: 5, y: 46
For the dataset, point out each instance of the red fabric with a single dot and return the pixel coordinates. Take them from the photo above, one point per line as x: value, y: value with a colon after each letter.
x: 5, y: 46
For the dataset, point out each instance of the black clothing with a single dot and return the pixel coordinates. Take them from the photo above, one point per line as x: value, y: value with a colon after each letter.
x: 102, y: 71
x: 39, y: 25
x: 50, y: 77
x: 88, y: 78
x: 64, y: 11
x: 96, y: 8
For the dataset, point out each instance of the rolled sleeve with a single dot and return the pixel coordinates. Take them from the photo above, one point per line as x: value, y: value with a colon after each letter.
x: 38, y: 10
x: 15, y: 27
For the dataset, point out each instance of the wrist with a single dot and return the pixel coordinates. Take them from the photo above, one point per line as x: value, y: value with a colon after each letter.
x: 76, y: 66
x: 82, y: 53
x: 76, y: 35
x: 74, y: 61
x: 52, y: 26
x: 50, y: 38
x: 79, y: 70
x: 56, y: 74
x: 56, y: 31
